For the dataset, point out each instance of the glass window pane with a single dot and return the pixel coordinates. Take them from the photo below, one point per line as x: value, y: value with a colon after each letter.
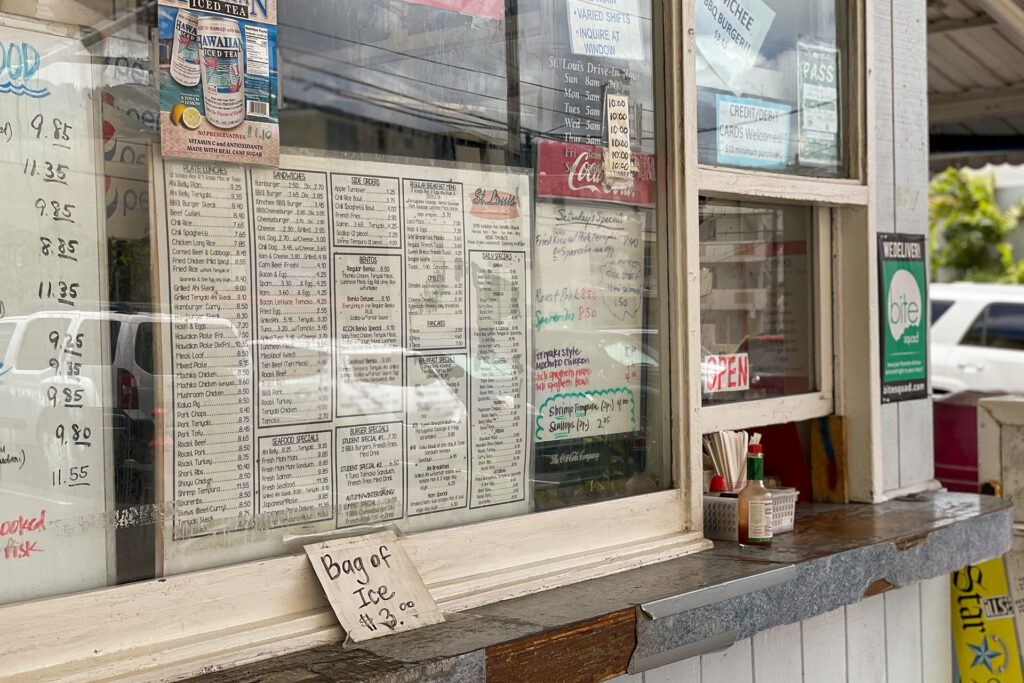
x: 939, y: 308
x: 32, y: 354
x: 976, y: 335
x: 446, y: 304
x: 1005, y: 326
x: 757, y: 299
x: 770, y: 90
x: 144, y: 350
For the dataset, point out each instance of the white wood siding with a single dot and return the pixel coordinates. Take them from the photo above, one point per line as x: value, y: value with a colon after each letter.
x: 901, y: 200
x: 865, y: 640
x: 903, y: 635
x: 768, y: 666
x: 910, y: 166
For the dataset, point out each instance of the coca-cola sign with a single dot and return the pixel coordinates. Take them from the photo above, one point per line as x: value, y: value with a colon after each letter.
x: 569, y: 170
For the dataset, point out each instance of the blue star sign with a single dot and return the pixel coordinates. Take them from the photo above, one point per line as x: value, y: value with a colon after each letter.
x: 983, y: 655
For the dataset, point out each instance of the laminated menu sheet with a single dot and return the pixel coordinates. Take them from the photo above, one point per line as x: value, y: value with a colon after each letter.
x: 55, y: 387
x: 348, y: 345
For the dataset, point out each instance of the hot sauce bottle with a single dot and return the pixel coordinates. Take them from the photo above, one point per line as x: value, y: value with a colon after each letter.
x: 754, y: 504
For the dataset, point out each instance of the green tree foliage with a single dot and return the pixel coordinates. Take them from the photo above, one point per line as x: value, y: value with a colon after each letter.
x: 968, y: 229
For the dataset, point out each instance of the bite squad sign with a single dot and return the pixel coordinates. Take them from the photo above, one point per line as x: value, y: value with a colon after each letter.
x: 903, y: 306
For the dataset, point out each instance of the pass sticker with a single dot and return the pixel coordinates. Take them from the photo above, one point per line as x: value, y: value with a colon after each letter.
x: 818, y: 85
x: 372, y: 585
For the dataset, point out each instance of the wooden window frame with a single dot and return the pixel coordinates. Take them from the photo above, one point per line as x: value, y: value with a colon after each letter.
x: 819, y: 403
x: 847, y: 313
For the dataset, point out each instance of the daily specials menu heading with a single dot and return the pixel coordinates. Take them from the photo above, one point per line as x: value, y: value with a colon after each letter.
x: 347, y: 344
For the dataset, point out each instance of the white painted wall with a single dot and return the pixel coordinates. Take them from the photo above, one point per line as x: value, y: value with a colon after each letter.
x: 901, y: 201
x: 901, y: 636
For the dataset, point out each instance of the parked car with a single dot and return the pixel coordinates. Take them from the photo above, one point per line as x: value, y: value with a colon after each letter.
x: 977, y: 337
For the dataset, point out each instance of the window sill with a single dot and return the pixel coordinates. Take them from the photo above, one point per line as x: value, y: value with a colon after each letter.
x: 648, y: 617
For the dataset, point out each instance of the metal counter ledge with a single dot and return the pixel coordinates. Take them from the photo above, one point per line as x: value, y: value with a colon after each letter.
x: 648, y: 617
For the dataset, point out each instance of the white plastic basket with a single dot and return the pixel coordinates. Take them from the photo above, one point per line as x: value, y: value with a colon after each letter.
x: 720, y: 520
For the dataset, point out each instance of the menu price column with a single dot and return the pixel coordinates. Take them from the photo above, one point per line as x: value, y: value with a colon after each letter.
x: 368, y: 338
x: 438, y: 424
x: 211, y: 334
x: 293, y: 319
x: 435, y: 264
x: 63, y: 281
x: 295, y: 478
x: 499, y: 388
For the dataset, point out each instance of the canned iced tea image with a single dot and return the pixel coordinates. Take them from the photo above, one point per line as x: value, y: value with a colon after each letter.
x: 223, y: 70
x: 185, y: 51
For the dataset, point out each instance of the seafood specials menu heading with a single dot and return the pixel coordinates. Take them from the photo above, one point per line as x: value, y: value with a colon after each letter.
x: 348, y: 344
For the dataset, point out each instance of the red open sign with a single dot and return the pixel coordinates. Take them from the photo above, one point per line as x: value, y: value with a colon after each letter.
x: 729, y: 372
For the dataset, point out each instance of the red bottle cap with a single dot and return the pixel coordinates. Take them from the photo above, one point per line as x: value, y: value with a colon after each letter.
x: 754, y: 448
x: 718, y: 484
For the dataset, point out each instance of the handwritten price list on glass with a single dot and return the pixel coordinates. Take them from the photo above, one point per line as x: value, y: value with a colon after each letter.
x: 53, y: 381
x: 588, y: 277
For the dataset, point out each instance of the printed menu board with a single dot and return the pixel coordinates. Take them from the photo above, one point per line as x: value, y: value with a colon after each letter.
x: 347, y: 345
x: 54, y: 384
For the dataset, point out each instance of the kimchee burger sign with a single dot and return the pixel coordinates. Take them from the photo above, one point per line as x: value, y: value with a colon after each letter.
x: 569, y: 170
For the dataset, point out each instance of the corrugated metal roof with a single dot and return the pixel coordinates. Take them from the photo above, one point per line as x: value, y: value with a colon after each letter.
x: 975, y: 82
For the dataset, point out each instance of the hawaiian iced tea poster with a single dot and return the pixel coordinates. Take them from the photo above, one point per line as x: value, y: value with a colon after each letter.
x: 218, y: 80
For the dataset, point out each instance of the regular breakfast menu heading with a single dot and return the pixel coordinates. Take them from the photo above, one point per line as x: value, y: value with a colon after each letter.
x: 347, y: 345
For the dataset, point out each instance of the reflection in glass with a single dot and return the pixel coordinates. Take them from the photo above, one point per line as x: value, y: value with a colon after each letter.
x: 770, y: 87
x: 756, y: 301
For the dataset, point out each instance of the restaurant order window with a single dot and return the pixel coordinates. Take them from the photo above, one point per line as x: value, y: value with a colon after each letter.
x: 772, y: 103
x: 278, y: 273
